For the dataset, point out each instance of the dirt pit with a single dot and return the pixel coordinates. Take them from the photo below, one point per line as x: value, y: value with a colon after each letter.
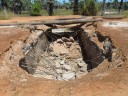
x: 67, y: 54
x: 62, y: 61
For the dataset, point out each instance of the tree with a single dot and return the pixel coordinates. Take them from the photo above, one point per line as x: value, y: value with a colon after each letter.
x: 115, y: 2
x: 4, y: 4
x: 125, y: 6
x: 89, y: 7
x: 17, y: 6
x: 50, y: 7
x: 36, y: 8
x: 121, y: 3
x: 75, y: 8
x: 103, y: 8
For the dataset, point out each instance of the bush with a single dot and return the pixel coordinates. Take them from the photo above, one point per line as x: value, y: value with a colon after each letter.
x: 89, y: 7
x: 35, y: 10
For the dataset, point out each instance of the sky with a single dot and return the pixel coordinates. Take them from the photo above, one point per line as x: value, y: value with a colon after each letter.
x: 98, y: 0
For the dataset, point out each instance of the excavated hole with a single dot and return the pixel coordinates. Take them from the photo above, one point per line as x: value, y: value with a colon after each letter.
x: 63, y: 56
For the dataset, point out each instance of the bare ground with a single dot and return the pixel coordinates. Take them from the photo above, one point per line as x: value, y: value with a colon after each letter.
x: 100, y: 82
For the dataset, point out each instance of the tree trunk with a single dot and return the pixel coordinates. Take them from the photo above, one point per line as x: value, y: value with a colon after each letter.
x: 125, y: 8
x: 103, y: 8
x: 121, y: 3
x: 75, y: 9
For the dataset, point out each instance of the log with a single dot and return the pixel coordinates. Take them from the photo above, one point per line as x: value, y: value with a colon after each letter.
x: 67, y: 22
x: 54, y: 22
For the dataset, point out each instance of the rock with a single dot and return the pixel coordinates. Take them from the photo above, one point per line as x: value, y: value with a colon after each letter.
x: 79, y: 60
x: 59, y: 41
x: 67, y: 76
x: 94, y: 34
x: 83, y: 69
x: 54, y: 54
x: 81, y: 64
x: 67, y: 67
x: 59, y: 77
x: 52, y: 58
x: 68, y: 44
x: 59, y: 49
x: 59, y: 71
x: 65, y: 39
x: 57, y: 65
x: 71, y: 39
x: 62, y: 62
x: 23, y: 80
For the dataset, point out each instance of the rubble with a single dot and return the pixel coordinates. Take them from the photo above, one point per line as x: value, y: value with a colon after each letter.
x: 59, y: 41
x: 72, y: 39
x: 67, y: 67
x: 80, y: 63
x: 67, y: 76
x: 64, y: 62
x: 62, y: 59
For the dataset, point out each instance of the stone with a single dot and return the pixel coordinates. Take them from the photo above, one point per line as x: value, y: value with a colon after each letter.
x: 59, y: 71
x: 57, y: 65
x: 81, y: 64
x: 68, y: 44
x: 59, y: 41
x: 67, y: 67
x: 79, y: 60
x: 65, y: 39
x: 60, y: 49
x: 69, y: 76
x: 23, y: 80
x: 83, y: 69
x: 52, y: 58
x: 94, y: 34
x: 71, y: 39
x: 62, y: 62
x: 59, y: 77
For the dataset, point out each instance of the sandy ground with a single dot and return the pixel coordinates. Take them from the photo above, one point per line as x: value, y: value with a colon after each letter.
x: 33, y: 19
x: 96, y: 83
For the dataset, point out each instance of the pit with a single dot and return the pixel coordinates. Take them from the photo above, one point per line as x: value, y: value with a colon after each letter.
x: 64, y: 54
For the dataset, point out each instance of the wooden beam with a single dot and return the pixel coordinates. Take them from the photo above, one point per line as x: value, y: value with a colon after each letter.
x: 54, y: 22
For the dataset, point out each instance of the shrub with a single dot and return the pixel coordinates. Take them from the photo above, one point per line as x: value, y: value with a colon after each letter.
x: 35, y: 10
x: 89, y: 7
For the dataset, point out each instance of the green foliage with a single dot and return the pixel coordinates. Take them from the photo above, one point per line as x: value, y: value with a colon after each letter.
x: 89, y: 7
x: 36, y: 9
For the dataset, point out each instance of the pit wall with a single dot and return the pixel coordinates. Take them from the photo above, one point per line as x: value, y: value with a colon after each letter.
x: 9, y: 59
x: 33, y: 56
x: 92, y: 54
